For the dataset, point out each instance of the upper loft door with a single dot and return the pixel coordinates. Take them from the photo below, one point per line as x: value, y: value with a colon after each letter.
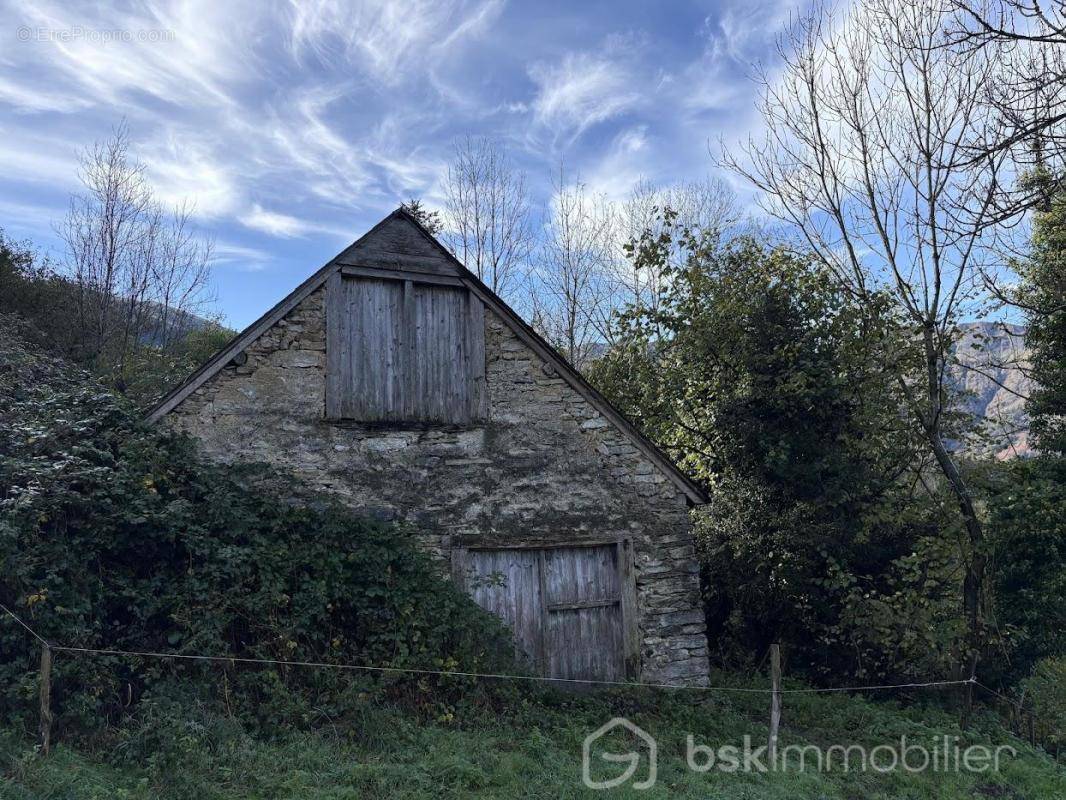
x: 404, y: 350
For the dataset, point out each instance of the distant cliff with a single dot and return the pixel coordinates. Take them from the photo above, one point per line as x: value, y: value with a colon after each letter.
x: 991, y: 375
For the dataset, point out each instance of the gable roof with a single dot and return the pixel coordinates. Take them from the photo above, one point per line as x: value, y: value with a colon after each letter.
x: 389, y: 247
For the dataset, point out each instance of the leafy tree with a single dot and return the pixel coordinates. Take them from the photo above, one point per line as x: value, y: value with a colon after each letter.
x: 33, y: 289
x: 1043, y: 296
x: 769, y: 385
x: 1026, y: 499
x: 1046, y: 689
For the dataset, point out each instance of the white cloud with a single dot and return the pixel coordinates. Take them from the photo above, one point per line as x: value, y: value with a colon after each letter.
x: 36, y: 158
x: 316, y: 117
x: 26, y: 100
x: 245, y: 259
x: 623, y: 164
x: 183, y: 167
x: 390, y: 41
x: 581, y: 90
x: 274, y: 223
x: 747, y: 28
x: 178, y: 53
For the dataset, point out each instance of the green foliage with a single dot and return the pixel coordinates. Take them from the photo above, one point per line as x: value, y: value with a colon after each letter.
x: 117, y: 536
x: 1046, y: 693
x: 1025, y: 500
x: 527, y: 750
x: 430, y: 220
x: 31, y: 288
x: 148, y: 372
x: 1043, y: 295
x: 781, y: 395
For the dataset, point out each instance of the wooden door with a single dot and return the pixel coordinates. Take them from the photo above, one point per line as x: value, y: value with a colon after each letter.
x: 400, y: 351
x: 563, y: 605
x: 583, y: 601
x: 507, y: 583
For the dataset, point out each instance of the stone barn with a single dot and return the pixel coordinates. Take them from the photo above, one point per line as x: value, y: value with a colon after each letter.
x: 396, y: 380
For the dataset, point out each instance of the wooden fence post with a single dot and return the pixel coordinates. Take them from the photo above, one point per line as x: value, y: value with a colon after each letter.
x: 775, y: 699
x: 46, y: 698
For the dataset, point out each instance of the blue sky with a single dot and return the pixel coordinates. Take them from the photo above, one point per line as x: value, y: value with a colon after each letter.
x: 294, y: 128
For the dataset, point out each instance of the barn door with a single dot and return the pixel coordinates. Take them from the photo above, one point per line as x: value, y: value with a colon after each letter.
x: 583, y: 624
x: 563, y: 605
x: 507, y: 583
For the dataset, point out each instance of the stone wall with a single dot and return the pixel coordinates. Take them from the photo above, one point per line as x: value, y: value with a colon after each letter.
x: 545, y: 464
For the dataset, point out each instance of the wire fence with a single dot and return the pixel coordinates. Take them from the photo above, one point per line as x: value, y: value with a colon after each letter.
x: 775, y: 691
x: 479, y: 675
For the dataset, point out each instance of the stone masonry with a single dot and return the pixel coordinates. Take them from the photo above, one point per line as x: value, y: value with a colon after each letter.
x: 545, y: 463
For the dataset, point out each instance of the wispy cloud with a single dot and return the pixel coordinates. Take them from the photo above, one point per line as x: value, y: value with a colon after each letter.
x: 184, y: 166
x: 288, y: 126
x: 389, y: 42
x: 245, y: 259
x: 581, y: 90
x: 745, y: 31
x: 625, y: 161
x: 274, y: 223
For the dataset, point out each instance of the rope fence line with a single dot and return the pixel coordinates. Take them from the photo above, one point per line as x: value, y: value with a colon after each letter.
x: 484, y: 675
x: 34, y: 633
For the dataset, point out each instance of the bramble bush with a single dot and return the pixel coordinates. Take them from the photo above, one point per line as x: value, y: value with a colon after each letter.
x: 114, y: 535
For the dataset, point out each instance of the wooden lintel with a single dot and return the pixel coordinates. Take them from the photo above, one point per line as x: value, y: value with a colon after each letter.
x: 531, y: 542
x: 356, y: 271
x: 605, y: 603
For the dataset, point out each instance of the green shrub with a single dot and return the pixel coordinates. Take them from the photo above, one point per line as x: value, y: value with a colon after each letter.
x: 1027, y: 530
x: 1046, y: 691
x: 117, y: 536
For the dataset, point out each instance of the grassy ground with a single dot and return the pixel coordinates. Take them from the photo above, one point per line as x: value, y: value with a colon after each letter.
x: 531, y: 751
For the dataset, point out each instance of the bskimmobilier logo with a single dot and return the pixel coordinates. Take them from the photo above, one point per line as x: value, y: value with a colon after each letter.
x: 643, y: 741
x: 621, y: 742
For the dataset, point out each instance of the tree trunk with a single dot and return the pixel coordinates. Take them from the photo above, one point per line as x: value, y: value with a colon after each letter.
x: 973, y: 582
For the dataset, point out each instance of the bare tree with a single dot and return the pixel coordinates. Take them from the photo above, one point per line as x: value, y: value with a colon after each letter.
x: 487, y: 214
x: 139, y: 270
x: 864, y: 131
x: 707, y: 206
x: 178, y: 260
x: 1027, y: 98
x: 572, y: 290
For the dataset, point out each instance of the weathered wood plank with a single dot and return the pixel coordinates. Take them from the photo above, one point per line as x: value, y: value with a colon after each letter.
x: 577, y: 605
x: 475, y: 339
x: 537, y: 541
x: 337, y: 344
x: 397, y: 244
x: 353, y: 271
x: 507, y: 583
x: 410, y: 389
x: 571, y: 622
x: 584, y: 644
x: 375, y: 330
x: 459, y: 567
x: 627, y: 585
x: 442, y: 386
x: 584, y: 631
x: 402, y: 351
